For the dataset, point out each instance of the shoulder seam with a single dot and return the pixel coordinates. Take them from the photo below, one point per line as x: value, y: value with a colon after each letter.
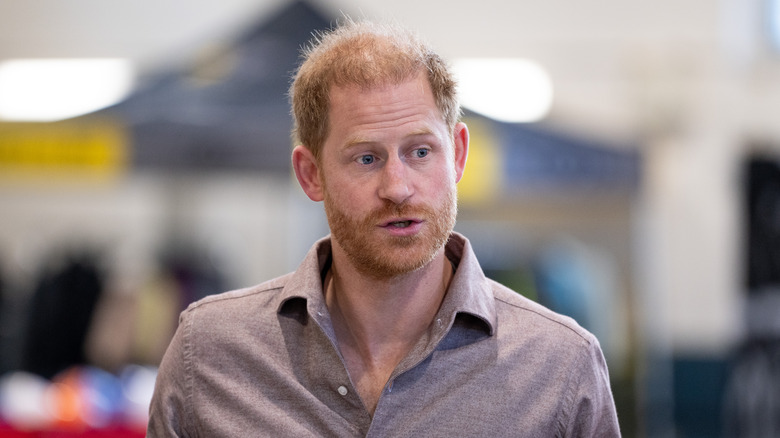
x: 572, y: 385
x: 187, y: 359
x: 234, y: 295
x: 579, y: 333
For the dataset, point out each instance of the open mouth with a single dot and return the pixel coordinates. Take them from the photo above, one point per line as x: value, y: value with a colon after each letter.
x: 400, y: 224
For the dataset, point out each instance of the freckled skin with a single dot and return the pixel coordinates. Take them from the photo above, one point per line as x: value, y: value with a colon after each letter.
x: 388, y: 157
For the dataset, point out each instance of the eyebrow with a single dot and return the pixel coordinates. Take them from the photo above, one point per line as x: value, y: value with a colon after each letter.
x: 359, y: 140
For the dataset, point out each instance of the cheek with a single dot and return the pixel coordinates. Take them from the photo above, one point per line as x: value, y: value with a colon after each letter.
x: 444, y: 177
x: 350, y: 195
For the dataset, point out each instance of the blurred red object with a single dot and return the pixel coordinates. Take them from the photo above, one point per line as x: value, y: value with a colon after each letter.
x: 109, y: 432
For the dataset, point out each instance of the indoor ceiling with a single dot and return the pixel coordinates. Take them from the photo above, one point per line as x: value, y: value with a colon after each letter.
x: 598, y: 53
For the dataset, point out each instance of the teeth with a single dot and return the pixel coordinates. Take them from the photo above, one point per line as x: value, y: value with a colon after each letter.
x: 401, y: 224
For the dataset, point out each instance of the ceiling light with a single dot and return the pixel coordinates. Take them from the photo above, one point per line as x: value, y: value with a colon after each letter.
x: 55, y: 89
x: 773, y: 18
x: 506, y: 89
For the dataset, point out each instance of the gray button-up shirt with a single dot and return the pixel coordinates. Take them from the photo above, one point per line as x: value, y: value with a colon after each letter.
x: 264, y: 361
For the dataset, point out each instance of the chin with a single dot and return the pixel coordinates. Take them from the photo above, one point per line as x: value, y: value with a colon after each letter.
x: 399, y: 257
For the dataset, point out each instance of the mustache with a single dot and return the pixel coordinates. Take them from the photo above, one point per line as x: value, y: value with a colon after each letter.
x: 404, y: 210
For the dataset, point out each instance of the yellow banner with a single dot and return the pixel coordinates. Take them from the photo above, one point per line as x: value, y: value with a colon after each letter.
x: 483, y: 177
x: 80, y: 148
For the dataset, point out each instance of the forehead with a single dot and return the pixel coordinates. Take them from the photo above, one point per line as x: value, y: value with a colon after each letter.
x: 407, y: 105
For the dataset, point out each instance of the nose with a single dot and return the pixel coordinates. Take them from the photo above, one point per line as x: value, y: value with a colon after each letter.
x: 394, y: 184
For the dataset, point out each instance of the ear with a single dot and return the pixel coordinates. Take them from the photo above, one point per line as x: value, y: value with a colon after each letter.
x: 308, y: 173
x: 461, y: 143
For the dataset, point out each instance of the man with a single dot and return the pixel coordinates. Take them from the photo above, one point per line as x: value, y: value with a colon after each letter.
x: 388, y: 327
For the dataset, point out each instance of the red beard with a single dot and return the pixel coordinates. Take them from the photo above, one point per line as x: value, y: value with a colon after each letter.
x: 382, y: 256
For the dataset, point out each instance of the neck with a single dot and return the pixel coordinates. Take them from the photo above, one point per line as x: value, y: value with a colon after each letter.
x: 378, y: 322
x: 400, y: 307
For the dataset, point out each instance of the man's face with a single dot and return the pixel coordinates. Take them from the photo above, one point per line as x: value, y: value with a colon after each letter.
x: 388, y: 170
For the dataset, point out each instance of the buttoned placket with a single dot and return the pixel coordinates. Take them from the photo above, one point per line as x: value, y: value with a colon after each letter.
x: 340, y: 384
x: 425, y: 348
x: 416, y: 357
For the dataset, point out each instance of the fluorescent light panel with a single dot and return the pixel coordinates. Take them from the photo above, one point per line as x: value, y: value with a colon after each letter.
x: 507, y: 89
x: 773, y: 18
x: 56, y: 89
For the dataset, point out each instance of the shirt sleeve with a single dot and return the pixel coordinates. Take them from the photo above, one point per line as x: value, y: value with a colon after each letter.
x: 168, y: 411
x: 590, y: 405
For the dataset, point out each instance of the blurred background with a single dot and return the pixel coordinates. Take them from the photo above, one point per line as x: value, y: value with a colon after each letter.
x: 624, y: 170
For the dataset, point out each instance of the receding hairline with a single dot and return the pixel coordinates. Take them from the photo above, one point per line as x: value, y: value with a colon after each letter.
x: 365, y: 54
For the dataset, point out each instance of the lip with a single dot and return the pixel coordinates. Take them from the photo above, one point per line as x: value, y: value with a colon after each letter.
x: 414, y: 227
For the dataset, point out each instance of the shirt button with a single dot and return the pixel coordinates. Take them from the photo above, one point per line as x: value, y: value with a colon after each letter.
x: 343, y: 390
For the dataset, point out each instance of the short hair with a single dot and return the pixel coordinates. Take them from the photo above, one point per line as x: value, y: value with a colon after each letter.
x: 365, y: 54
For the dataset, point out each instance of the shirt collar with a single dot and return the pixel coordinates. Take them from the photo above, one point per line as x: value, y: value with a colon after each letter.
x: 305, y: 284
x: 469, y: 291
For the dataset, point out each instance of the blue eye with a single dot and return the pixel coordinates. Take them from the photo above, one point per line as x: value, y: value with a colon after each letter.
x: 367, y: 159
x: 421, y: 153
